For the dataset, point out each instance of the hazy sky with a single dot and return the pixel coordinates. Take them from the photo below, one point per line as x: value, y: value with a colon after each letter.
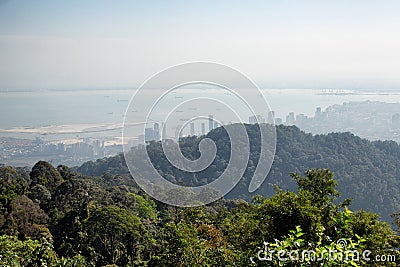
x: 279, y: 44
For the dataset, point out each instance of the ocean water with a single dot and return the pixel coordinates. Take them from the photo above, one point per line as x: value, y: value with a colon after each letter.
x: 44, y: 108
x: 41, y: 108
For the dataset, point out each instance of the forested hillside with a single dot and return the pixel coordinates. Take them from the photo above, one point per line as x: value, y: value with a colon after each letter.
x: 56, y: 217
x: 367, y: 172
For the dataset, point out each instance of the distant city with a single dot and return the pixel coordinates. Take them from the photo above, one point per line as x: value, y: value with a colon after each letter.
x: 21, y: 152
x: 153, y: 133
x: 367, y: 119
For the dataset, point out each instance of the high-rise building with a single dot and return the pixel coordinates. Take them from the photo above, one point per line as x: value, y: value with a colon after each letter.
x: 164, y: 130
x: 203, y: 128
x: 290, y: 119
x: 141, y: 138
x: 271, y: 117
x: 178, y: 132
x: 148, y: 134
x: 192, y: 128
x: 62, y: 147
x: 210, y: 122
x: 301, y: 119
x: 256, y: 119
x: 156, y: 131
x: 318, y: 112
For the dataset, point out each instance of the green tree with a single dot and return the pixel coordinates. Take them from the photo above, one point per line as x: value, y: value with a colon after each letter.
x: 66, y: 173
x: 320, y: 183
x: 43, y: 173
x: 294, y: 251
x: 146, y: 208
x: 34, y: 253
x: 117, y: 236
x: 312, y: 209
x: 190, y: 244
x: 11, y: 185
x: 27, y: 219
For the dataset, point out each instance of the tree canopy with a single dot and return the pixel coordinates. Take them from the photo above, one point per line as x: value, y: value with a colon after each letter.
x: 59, y: 217
x: 99, y: 221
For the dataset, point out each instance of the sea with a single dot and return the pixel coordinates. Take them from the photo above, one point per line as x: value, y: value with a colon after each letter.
x: 28, y: 114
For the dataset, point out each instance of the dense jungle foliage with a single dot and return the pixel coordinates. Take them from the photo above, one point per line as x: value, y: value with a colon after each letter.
x: 96, y: 215
x: 367, y: 172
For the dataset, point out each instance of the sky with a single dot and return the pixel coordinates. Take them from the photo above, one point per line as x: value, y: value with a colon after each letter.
x: 71, y: 44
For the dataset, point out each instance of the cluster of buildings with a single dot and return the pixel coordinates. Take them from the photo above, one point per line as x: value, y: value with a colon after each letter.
x: 13, y: 147
x: 260, y: 119
x: 153, y: 133
x: 22, y: 152
x: 371, y: 120
x: 86, y: 149
x: 368, y: 119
